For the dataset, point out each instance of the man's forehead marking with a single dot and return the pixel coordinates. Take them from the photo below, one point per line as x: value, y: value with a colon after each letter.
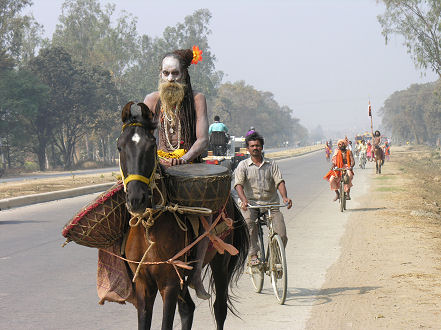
x: 171, y: 63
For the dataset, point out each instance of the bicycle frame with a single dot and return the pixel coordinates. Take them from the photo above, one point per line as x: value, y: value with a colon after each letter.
x: 342, y: 190
x: 266, y: 219
x: 273, y: 260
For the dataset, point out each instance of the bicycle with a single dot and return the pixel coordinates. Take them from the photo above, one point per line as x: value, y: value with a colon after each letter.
x: 272, y: 261
x: 343, y: 181
x: 363, y: 159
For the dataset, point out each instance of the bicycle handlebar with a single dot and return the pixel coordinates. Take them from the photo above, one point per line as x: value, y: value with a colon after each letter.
x: 266, y: 206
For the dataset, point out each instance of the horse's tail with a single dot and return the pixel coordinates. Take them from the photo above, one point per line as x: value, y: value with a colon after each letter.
x: 241, y: 239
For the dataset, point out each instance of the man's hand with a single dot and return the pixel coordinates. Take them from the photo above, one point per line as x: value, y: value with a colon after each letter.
x: 179, y: 161
x: 288, y: 202
x: 244, y: 204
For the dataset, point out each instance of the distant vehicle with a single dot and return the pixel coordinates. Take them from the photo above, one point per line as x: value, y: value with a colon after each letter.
x: 236, y: 151
x: 365, y: 136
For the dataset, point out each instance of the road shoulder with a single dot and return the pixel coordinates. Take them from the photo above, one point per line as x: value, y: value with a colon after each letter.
x: 389, y: 273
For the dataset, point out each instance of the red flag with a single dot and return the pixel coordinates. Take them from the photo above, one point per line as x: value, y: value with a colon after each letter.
x: 370, y: 111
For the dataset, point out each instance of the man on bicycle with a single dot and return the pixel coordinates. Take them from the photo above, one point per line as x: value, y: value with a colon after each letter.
x: 342, y: 158
x: 257, y: 180
x: 362, y: 148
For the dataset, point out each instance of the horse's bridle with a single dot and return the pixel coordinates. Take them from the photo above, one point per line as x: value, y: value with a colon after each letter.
x: 137, y: 177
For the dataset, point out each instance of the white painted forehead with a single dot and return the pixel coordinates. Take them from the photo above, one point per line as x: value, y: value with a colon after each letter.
x: 171, y: 63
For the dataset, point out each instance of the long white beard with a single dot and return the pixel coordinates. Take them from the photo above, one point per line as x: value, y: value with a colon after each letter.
x: 171, y: 95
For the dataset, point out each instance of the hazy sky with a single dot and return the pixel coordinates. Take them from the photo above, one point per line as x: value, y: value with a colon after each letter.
x: 323, y: 59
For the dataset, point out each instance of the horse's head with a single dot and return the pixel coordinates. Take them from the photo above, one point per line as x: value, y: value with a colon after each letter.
x: 137, y: 154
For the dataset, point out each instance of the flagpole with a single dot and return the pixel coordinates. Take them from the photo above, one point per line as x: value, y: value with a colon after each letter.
x: 372, y: 125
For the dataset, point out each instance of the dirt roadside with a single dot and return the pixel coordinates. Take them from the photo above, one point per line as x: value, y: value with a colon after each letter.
x: 389, y: 273
x: 36, y: 186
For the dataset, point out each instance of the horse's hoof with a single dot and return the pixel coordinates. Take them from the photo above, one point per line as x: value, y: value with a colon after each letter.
x: 203, y: 295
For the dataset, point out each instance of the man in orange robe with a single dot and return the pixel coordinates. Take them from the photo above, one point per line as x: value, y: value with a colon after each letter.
x: 342, y: 158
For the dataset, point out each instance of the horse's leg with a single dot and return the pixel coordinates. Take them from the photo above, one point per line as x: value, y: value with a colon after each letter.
x: 169, y: 299
x: 186, y: 308
x: 219, y: 269
x: 145, y: 297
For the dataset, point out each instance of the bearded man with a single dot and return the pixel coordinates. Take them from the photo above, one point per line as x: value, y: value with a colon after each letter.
x: 182, y: 128
x: 342, y: 158
x: 180, y: 112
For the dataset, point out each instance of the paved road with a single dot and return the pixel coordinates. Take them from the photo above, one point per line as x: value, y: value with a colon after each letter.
x: 44, y: 286
x: 60, y: 174
x: 84, y: 172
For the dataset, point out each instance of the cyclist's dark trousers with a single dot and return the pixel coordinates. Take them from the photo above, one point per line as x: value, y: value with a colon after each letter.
x: 250, y: 216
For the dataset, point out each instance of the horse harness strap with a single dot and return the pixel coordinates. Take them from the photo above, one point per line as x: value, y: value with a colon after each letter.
x: 130, y: 124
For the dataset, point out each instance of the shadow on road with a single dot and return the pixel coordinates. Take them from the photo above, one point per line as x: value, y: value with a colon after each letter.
x: 366, y: 209
x: 18, y: 222
x: 309, y: 297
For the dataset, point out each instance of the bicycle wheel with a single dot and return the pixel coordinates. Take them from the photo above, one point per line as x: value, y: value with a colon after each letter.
x: 342, y: 197
x: 278, y: 268
x: 344, y: 200
x: 257, y: 275
x: 257, y: 272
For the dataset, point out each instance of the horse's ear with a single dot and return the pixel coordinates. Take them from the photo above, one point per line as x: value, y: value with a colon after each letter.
x: 125, y: 114
x: 146, y: 113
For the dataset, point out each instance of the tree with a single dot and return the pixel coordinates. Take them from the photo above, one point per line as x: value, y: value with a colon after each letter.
x: 142, y: 78
x: 24, y: 98
x: 419, y: 22
x: 77, y: 91
x: 241, y: 106
x: 88, y: 32
x: 20, y: 35
x: 415, y: 113
x: 317, y: 134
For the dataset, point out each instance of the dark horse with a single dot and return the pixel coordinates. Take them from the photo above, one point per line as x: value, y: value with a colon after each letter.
x: 164, y: 239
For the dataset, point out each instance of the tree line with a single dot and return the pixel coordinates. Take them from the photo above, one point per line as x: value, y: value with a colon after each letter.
x: 60, y: 98
x: 414, y: 114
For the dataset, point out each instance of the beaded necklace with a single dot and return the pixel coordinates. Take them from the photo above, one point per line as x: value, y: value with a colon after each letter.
x: 168, y: 128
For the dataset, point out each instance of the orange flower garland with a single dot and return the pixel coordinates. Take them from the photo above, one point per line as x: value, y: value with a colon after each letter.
x: 197, y: 55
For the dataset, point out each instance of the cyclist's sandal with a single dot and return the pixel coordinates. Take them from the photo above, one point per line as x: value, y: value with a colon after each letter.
x: 254, y: 261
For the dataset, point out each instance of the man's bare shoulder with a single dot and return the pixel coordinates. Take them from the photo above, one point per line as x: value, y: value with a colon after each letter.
x: 200, y: 104
x: 199, y: 97
x: 151, y: 100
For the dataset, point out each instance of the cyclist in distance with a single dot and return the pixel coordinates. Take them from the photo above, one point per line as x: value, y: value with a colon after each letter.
x: 342, y: 158
x: 257, y: 180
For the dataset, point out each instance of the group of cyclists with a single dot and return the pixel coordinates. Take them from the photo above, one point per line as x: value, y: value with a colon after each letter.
x: 343, y: 157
